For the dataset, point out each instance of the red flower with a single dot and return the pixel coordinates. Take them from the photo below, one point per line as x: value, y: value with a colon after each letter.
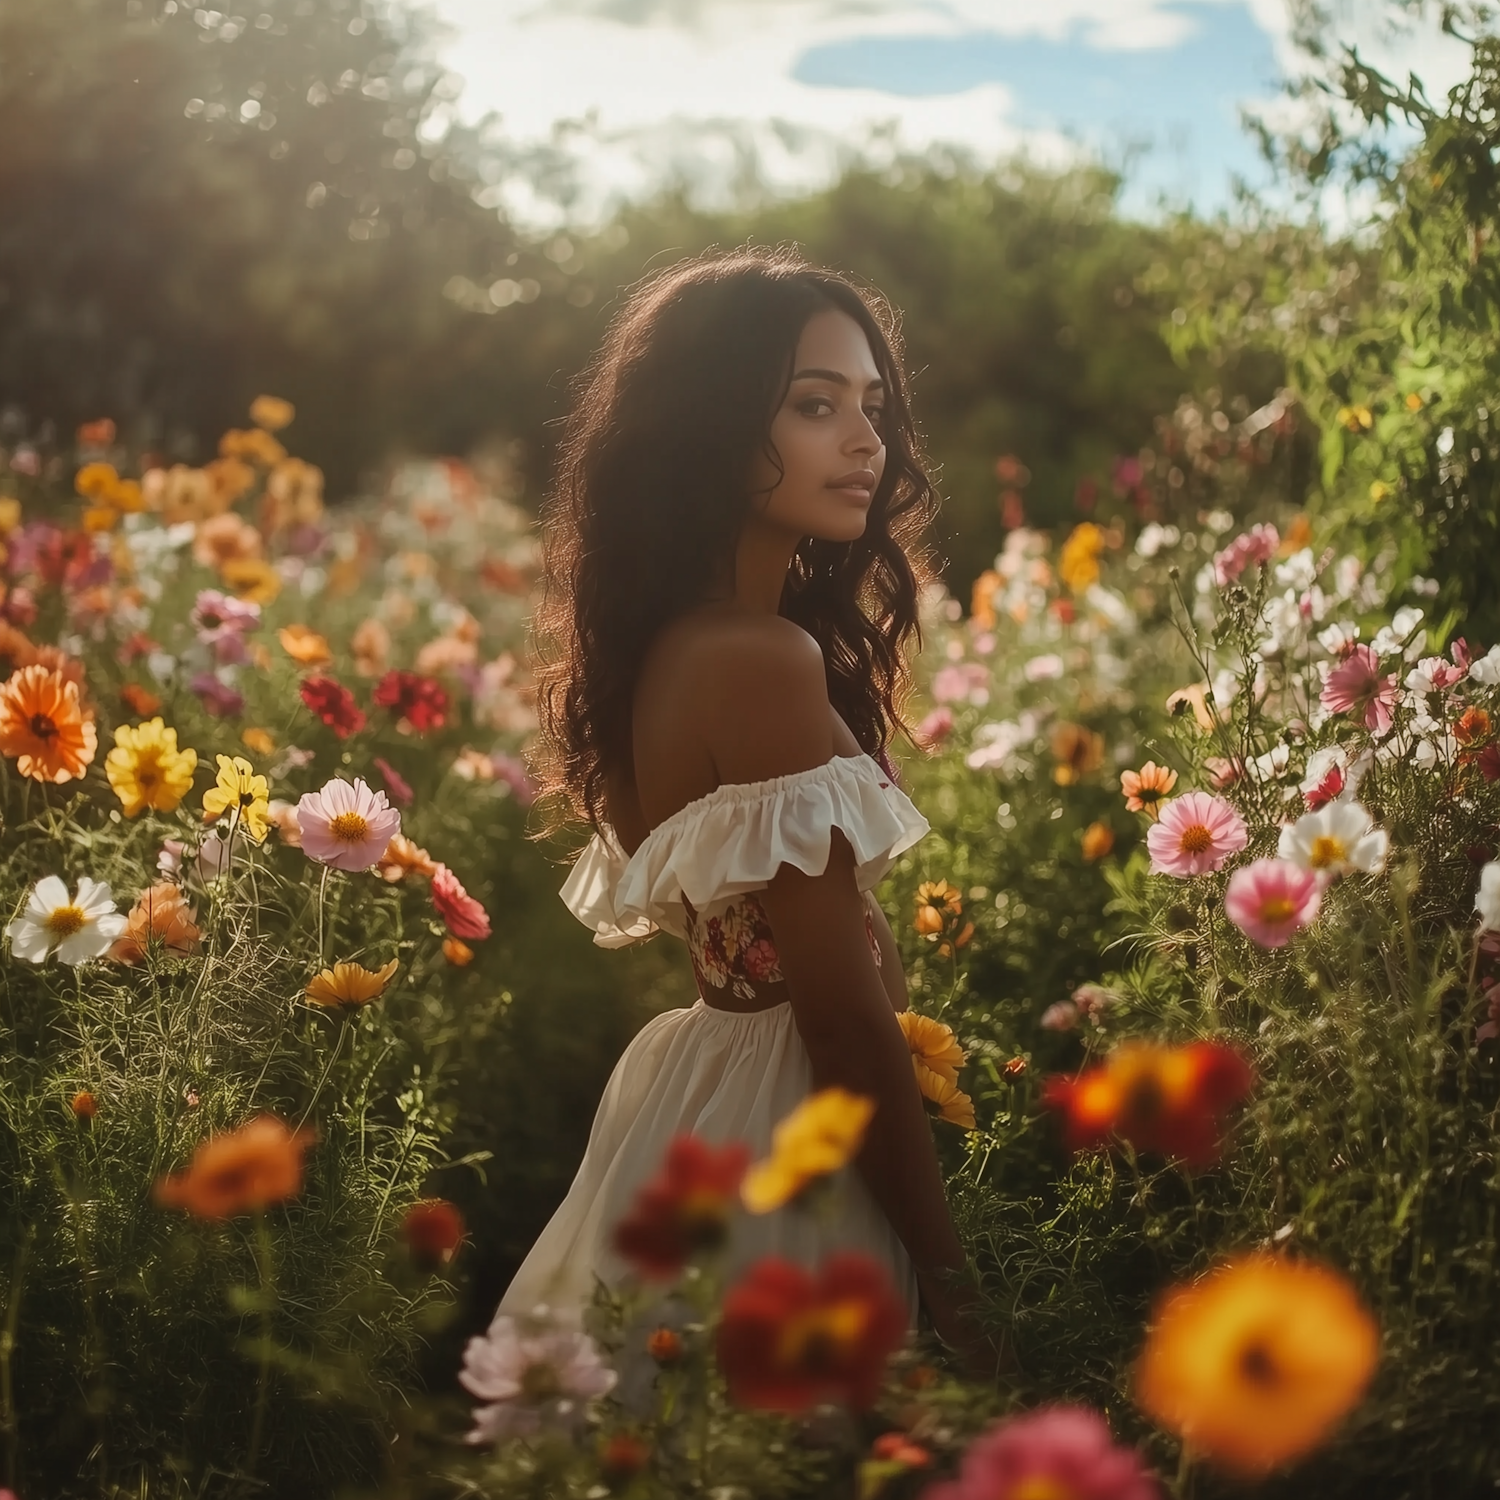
x: 1167, y: 1099
x: 433, y: 1230
x: 334, y: 704
x: 788, y: 1338
x: 1488, y: 761
x: 465, y: 917
x: 684, y: 1208
x: 421, y: 701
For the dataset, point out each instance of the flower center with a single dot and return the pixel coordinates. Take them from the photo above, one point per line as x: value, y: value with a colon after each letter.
x: 65, y: 921
x: 539, y: 1382
x: 349, y: 828
x: 247, y: 799
x: 1277, y: 909
x: 1149, y: 794
x: 815, y: 1340
x: 1197, y: 839
x: 1327, y: 851
x: 1256, y: 1364
x: 1042, y: 1487
x: 42, y: 726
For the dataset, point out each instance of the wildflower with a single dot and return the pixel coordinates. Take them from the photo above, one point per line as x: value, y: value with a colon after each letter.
x: 84, y: 1106
x: 1015, y: 1067
x: 80, y: 928
x: 140, y: 701
x: 512, y: 771
x: 395, y: 783
x: 420, y: 701
x: 1338, y: 839
x: 789, y: 1338
x: 1098, y: 840
x: 623, y: 1456
x: 1258, y: 545
x: 347, y: 827
x: 371, y: 645
x: 936, y: 901
x: 146, y: 769
x: 283, y: 818
x: 934, y: 728
x: 1487, y: 900
x: 218, y: 698
x: 1355, y: 418
x: 1195, y: 834
x: 251, y: 445
x: 949, y: 1102
x: 224, y: 539
x: 457, y: 952
x: 261, y: 741
x: 1145, y: 789
x: 817, y: 1138
x: 1254, y: 1364
x: 271, y: 413
x: 1433, y: 675
x: 403, y: 857
x: 251, y: 578
x: 1078, y: 559
x: 1472, y: 729
x: 898, y: 1449
x: 1194, y: 697
x: 241, y: 1171
x: 43, y: 726
x: 1356, y: 686
x: 1271, y: 899
x: 473, y: 765
x: 1167, y: 1099
x: 350, y: 984
x: 531, y: 1380
x: 936, y: 1058
x: 161, y: 914
x: 433, y: 1230
x: 238, y: 789
x: 305, y: 647
x: 334, y: 704
x: 465, y: 917
x: 1055, y: 1453
x: 1077, y: 752
x: 1223, y: 771
x: 684, y: 1209
x: 664, y: 1346
x: 1061, y: 1015
x: 222, y: 622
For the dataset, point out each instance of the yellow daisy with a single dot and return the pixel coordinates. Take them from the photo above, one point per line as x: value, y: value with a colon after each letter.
x: 146, y: 769
x: 238, y: 788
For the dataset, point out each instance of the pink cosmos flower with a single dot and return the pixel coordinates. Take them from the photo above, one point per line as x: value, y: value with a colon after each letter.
x: 465, y: 917
x: 532, y: 1378
x: 1195, y: 834
x: 1356, y: 686
x: 1257, y: 545
x: 222, y: 622
x: 347, y: 827
x: 935, y: 728
x: 1059, y: 1450
x: 1271, y: 899
x: 218, y: 698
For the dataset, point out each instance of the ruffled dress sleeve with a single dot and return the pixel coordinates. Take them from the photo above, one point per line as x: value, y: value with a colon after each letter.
x: 735, y: 839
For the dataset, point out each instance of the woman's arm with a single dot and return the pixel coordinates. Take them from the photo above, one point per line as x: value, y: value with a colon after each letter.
x: 892, y: 975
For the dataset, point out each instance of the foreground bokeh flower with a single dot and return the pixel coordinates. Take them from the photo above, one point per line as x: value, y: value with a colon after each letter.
x: 433, y: 1230
x: 1057, y: 1453
x: 350, y: 984
x: 1169, y: 1099
x: 1358, y: 688
x: 530, y: 1381
x: 239, y: 791
x: 1253, y: 1365
x: 1340, y: 838
x: 79, y: 927
x: 789, y: 1338
x: 346, y: 826
x: 936, y: 1058
x: 43, y: 727
x: 684, y: 1209
x: 1194, y: 834
x: 146, y: 769
x: 818, y: 1137
x: 1076, y: 751
x: 240, y: 1171
x: 465, y: 917
x: 162, y: 915
x: 1271, y: 899
x: 1144, y: 790
x: 1078, y: 558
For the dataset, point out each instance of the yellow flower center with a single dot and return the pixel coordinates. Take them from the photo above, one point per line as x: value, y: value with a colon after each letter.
x: 1042, y: 1487
x: 1196, y: 839
x: 1327, y: 851
x: 813, y: 1340
x: 349, y: 828
x: 42, y: 726
x: 65, y: 921
x: 1277, y: 909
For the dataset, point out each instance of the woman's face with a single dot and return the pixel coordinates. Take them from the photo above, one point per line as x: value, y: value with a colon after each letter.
x: 826, y: 435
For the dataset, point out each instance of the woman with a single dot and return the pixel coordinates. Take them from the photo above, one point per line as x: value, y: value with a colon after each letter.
x: 728, y: 594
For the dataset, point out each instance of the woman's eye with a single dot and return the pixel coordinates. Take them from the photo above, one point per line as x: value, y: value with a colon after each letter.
x: 876, y: 414
x: 816, y: 406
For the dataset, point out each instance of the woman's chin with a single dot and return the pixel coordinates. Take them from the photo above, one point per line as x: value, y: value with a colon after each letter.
x: 837, y: 523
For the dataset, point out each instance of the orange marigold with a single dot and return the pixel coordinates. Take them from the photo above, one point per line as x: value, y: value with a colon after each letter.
x: 43, y: 727
x: 243, y: 1170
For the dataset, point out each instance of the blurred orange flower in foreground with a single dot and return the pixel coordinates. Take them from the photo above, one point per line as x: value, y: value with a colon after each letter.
x: 1254, y: 1364
x: 43, y: 727
x: 936, y: 902
x: 239, y: 1171
x: 403, y: 857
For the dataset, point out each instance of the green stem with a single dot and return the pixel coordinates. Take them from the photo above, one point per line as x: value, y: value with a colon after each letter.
x: 263, y: 1263
x: 9, y: 1418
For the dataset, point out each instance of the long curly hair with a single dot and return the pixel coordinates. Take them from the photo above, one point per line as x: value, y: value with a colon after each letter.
x: 652, y: 490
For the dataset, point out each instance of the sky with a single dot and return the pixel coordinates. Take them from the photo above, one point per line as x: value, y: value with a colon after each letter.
x: 622, y: 95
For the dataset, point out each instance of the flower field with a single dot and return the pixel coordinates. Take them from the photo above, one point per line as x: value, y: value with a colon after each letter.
x: 300, y: 1048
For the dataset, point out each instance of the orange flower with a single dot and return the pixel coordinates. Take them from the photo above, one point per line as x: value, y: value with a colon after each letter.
x: 142, y: 703
x: 96, y: 482
x: 936, y: 902
x: 457, y: 952
x: 664, y: 1345
x: 936, y: 1058
x: 258, y: 740
x: 371, y: 645
x: 1194, y: 697
x: 350, y: 984
x: 243, y: 1170
x: 433, y: 1230
x: 1145, y: 789
x: 162, y: 913
x: 84, y: 1105
x: 294, y: 495
x: 43, y: 727
x: 1077, y: 751
x: 1078, y: 561
x: 982, y: 599
x: 403, y: 857
x: 224, y: 539
x: 229, y: 479
x: 1254, y: 1364
x: 446, y: 653
x: 305, y: 647
x: 251, y: 445
x: 251, y: 578
x: 272, y: 412
x: 1098, y: 840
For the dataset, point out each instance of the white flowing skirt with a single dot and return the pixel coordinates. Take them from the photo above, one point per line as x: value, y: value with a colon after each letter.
x: 723, y: 1076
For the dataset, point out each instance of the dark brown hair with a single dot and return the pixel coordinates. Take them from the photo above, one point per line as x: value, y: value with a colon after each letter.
x: 652, y: 489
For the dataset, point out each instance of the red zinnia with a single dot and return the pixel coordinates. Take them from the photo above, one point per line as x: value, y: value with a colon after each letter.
x: 334, y: 704
x: 465, y: 917
x: 419, y: 700
x: 789, y: 1338
x: 684, y: 1208
x: 1167, y: 1099
x: 433, y: 1230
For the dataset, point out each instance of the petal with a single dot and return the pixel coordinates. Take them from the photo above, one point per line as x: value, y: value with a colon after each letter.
x: 88, y: 942
x: 50, y: 893
x: 28, y: 940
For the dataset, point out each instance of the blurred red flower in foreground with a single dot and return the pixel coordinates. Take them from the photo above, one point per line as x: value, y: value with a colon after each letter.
x: 789, y: 1338
x: 419, y: 700
x: 684, y: 1208
x: 334, y: 704
x: 244, y: 1169
x: 433, y: 1230
x: 1167, y: 1099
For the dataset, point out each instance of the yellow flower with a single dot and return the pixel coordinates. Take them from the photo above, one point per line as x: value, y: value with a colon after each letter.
x: 936, y: 901
x: 952, y: 1104
x: 350, y: 984
x: 238, y: 788
x: 271, y: 412
x: 252, y: 445
x: 936, y: 1058
x: 258, y: 740
x: 818, y: 1137
x: 128, y: 497
x: 1078, y: 562
x: 1077, y: 751
x: 10, y: 514
x: 146, y: 769
x: 1413, y: 401
x: 1380, y: 490
x: 96, y: 482
x: 1356, y: 418
x: 251, y: 578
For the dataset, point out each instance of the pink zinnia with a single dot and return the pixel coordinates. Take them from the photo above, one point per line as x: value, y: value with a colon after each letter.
x: 1059, y: 1450
x: 1195, y: 834
x: 1257, y: 545
x: 465, y: 917
x: 1357, y: 686
x: 346, y: 826
x: 1271, y: 899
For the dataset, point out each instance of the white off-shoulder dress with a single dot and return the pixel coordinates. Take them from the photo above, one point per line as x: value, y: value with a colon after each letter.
x: 721, y: 1075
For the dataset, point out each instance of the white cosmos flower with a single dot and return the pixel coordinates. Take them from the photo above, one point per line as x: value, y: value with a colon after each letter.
x: 79, y: 928
x: 1336, y: 840
x: 1487, y: 902
x: 1487, y: 669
